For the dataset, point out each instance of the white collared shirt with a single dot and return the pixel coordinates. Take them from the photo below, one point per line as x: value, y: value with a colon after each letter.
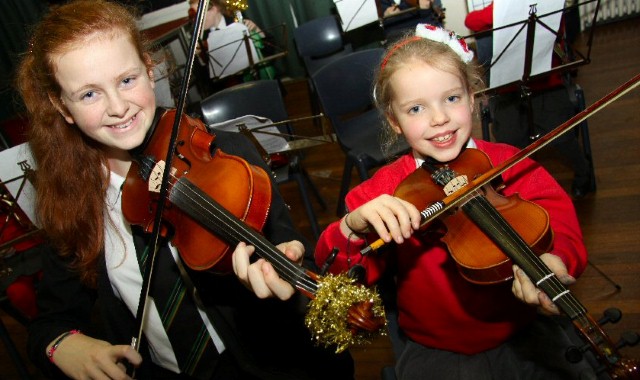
x: 470, y: 144
x: 126, y: 278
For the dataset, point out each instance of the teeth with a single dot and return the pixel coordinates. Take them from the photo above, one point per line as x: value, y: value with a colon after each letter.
x: 442, y: 138
x: 125, y: 125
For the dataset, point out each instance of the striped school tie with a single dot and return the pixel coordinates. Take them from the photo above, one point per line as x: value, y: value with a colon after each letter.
x: 189, y: 337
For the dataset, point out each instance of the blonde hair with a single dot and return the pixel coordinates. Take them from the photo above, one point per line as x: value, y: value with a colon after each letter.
x: 435, y: 54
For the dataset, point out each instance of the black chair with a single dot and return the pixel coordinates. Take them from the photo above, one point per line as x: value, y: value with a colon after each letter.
x: 264, y: 98
x: 344, y: 88
x: 576, y: 96
x: 319, y: 42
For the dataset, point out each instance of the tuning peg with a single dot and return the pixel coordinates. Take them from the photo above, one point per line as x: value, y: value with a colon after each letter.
x: 629, y: 338
x: 574, y: 354
x: 611, y: 315
x: 357, y: 272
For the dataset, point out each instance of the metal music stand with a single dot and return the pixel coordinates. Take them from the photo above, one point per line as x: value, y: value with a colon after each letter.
x: 354, y: 14
x: 251, y: 58
x: 529, y: 27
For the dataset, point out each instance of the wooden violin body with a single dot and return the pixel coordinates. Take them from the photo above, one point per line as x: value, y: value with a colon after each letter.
x: 479, y: 259
x: 242, y: 189
x: 491, y: 216
x: 215, y: 201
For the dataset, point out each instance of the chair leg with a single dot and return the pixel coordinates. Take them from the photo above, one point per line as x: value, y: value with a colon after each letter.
x: 583, y: 128
x: 344, y: 187
x: 313, y: 221
x: 363, y: 173
x: 313, y: 187
x: 13, y: 352
x: 485, y: 118
x: 315, y: 105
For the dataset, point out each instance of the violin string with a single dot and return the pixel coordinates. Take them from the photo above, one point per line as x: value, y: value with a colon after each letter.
x: 241, y: 231
x: 587, y: 327
x: 542, y: 271
x: 485, y: 215
x: 264, y: 249
x: 237, y: 227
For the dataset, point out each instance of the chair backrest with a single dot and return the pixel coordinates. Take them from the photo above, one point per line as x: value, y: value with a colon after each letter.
x: 259, y: 98
x: 345, y: 86
x: 319, y: 41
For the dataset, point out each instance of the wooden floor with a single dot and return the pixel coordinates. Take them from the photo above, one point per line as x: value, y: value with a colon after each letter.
x: 610, y: 218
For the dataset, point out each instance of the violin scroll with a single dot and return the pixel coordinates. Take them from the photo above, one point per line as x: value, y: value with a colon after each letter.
x: 345, y: 313
x: 616, y: 366
x: 362, y: 318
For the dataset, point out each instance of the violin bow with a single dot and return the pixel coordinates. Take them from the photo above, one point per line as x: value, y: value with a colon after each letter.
x: 438, y: 208
x: 164, y: 187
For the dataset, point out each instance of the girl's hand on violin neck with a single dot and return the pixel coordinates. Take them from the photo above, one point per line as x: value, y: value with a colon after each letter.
x: 82, y: 357
x: 260, y: 277
x: 524, y: 289
x: 390, y: 217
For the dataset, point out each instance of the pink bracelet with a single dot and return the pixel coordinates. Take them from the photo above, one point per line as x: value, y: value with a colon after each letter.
x: 53, y: 348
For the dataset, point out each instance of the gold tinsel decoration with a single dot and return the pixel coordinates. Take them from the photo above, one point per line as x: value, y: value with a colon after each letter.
x: 236, y: 5
x: 327, y: 314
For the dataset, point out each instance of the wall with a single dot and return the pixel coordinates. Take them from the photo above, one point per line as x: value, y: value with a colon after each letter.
x: 456, y: 10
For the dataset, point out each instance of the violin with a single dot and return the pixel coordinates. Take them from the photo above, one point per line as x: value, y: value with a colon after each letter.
x: 463, y: 237
x: 509, y: 230
x: 215, y: 201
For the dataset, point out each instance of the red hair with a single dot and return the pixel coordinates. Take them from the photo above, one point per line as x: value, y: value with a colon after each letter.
x: 72, y: 172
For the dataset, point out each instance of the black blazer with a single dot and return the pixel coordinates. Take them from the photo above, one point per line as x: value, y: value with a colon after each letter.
x: 267, y: 337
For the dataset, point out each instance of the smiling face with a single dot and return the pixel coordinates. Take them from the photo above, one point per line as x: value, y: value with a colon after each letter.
x: 107, y: 92
x: 432, y: 109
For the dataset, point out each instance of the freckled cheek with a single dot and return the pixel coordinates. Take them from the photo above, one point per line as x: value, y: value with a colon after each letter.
x: 149, y: 99
x: 86, y: 118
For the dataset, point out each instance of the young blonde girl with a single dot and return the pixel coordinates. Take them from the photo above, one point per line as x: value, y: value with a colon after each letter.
x: 454, y: 329
x: 87, y: 83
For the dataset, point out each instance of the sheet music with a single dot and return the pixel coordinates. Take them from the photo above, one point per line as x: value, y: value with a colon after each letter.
x: 510, y: 67
x: 356, y: 13
x: 228, y: 52
x: 474, y: 5
x: 271, y: 143
x: 13, y: 163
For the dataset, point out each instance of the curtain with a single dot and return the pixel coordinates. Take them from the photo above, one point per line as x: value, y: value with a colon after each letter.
x: 16, y: 19
x: 268, y: 14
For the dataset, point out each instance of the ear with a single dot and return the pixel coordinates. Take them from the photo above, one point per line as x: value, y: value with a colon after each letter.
x: 59, y: 105
x: 148, y: 62
x: 393, y: 122
x: 472, y: 100
x: 152, y: 79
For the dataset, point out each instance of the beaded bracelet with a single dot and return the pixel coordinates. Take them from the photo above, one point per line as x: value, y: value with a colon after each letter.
x: 62, y: 337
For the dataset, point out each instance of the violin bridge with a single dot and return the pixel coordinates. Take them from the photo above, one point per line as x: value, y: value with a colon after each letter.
x: 455, y: 184
x: 155, y: 178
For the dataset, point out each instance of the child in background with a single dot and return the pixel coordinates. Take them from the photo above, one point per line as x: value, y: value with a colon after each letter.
x: 454, y: 329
